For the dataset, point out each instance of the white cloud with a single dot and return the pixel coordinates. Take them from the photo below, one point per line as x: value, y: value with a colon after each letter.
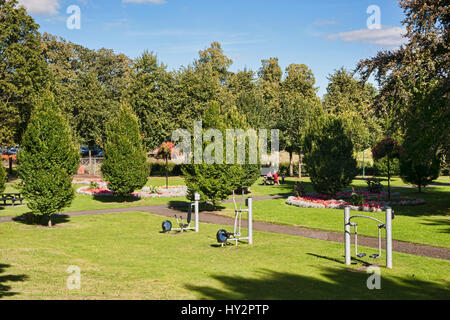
x: 386, y: 36
x: 42, y: 7
x: 145, y: 1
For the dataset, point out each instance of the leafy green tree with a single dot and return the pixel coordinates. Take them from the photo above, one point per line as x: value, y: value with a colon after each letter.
x: 299, y: 104
x: 329, y: 155
x: 23, y: 72
x: 216, y: 181
x: 215, y: 57
x: 48, y: 159
x: 353, y: 101
x: 419, y: 165
x: 125, y: 167
x: 416, y: 73
x: 88, y: 85
x: 2, y: 177
x: 149, y: 95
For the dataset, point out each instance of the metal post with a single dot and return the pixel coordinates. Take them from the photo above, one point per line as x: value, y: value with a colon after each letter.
x: 196, y: 199
x: 389, y: 238
x: 348, y: 257
x: 250, y: 220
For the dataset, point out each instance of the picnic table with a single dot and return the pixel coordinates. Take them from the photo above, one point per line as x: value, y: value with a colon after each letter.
x: 13, y: 197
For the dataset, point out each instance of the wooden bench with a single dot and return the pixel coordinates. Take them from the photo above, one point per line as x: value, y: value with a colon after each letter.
x: 13, y: 197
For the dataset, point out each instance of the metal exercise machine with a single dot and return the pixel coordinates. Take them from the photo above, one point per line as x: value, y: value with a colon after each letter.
x: 224, y: 237
x: 167, y: 225
x: 387, y: 226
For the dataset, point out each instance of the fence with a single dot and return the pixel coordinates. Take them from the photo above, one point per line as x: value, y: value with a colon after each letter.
x: 90, y: 166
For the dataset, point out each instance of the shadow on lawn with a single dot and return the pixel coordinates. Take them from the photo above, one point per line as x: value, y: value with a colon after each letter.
x: 5, y: 290
x: 31, y: 219
x: 183, y: 206
x: 334, y: 283
x: 115, y: 199
x: 445, y: 223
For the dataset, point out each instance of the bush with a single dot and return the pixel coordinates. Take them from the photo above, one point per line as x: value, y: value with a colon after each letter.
x: 419, y: 164
x: 329, y: 156
x: 125, y: 166
x: 159, y: 169
x: 48, y: 158
x: 381, y: 167
x: 214, y: 182
x: 2, y: 177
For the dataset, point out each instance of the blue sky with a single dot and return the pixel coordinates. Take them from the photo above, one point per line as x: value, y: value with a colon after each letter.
x: 323, y: 34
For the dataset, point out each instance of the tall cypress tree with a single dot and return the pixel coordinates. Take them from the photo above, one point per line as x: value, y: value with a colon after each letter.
x: 126, y: 166
x: 48, y: 159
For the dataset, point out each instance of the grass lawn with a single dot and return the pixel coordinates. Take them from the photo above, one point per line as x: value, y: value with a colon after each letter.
x: 125, y: 256
x: 425, y: 224
x: 84, y: 202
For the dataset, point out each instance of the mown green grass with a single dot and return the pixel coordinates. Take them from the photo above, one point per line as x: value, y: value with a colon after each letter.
x: 124, y: 256
x: 424, y: 224
x: 84, y: 202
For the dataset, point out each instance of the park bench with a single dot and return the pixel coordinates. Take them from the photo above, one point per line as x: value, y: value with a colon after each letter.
x: 13, y: 197
x: 264, y: 172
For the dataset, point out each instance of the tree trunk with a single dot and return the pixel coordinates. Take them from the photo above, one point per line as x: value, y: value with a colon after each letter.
x: 49, y: 222
x: 291, y: 165
x: 300, y: 164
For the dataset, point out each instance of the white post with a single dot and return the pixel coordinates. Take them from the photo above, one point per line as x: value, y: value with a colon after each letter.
x: 250, y: 221
x: 196, y: 199
x: 389, y: 238
x: 348, y: 256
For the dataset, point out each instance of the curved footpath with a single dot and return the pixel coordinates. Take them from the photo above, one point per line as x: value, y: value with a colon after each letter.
x: 214, y: 218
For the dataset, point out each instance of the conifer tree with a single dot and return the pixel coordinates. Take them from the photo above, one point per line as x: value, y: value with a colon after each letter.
x: 48, y: 159
x: 126, y: 166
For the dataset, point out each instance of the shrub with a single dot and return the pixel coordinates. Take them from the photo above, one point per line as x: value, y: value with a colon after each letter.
x: 419, y: 164
x: 212, y: 181
x: 48, y: 158
x: 159, y: 169
x: 329, y: 156
x: 381, y: 167
x: 125, y: 166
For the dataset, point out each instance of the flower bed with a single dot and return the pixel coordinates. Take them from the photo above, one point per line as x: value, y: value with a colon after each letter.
x: 88, y: 181
x: 310, y: 201
x: 146, y: 192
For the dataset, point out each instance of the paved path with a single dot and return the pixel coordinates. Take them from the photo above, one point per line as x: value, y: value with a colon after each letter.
x: 214, y: 218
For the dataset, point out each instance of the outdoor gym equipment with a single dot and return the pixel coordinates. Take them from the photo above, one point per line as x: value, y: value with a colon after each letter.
x: 223, y: 236
x: 167, y: 225
x: 387, y: 226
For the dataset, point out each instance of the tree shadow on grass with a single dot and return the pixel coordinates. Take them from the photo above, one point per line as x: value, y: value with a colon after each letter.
x: 445, y: 223
x: 31, y: 219
x: 331, y: 283
x: 183, y: 206
x: 116, y: 199
x: 5, y: 290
